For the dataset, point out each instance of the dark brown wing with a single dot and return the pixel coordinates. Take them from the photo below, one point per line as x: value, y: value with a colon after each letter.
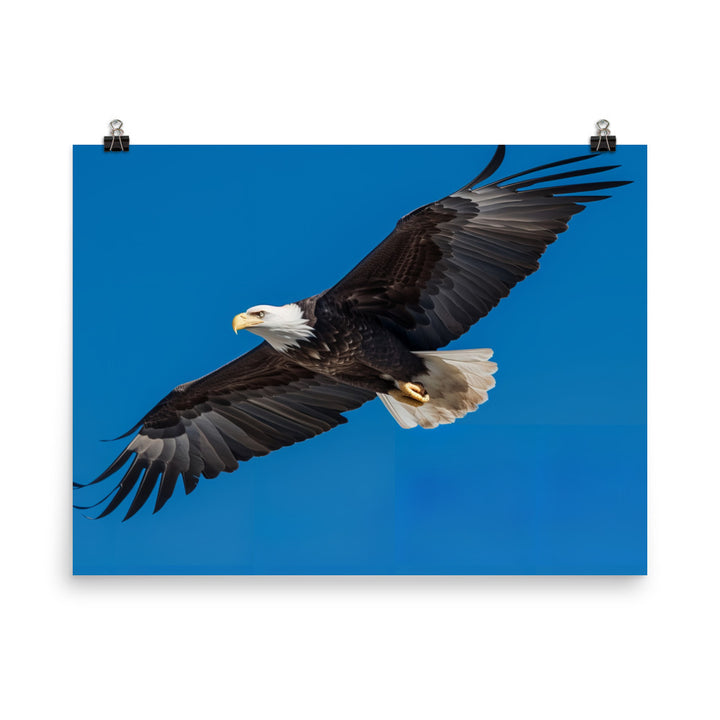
x: 449, y: 263
x: 256, y: 404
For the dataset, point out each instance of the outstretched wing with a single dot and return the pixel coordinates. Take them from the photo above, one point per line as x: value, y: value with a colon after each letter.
x: 449, y: 263
x: 253, y: 405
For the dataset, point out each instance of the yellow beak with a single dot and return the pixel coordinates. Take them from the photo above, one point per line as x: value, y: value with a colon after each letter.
x: 243, y: 320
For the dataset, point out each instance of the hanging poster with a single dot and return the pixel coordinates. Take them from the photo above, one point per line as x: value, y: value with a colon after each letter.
x: 341, y: 360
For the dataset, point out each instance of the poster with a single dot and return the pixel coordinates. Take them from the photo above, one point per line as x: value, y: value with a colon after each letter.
x: 546, y: 477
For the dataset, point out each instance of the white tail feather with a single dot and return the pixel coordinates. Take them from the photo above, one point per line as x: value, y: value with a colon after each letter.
x: 457, y: 381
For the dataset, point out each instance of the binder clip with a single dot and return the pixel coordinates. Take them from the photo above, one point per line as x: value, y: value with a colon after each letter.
x: 116, y: 141
x: 603, y: 140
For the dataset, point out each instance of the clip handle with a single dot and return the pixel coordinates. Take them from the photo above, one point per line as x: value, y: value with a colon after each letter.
x: 116, y: 141
x: 603, y: 141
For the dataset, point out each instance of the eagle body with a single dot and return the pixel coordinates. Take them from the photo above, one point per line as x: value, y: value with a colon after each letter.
x: 377, y: 333
x: 353, y: 348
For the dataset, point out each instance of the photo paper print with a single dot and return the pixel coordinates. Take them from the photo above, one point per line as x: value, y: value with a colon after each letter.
x: 359, y: 360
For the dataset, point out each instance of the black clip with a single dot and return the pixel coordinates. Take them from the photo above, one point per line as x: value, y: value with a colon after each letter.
x: 603, y: 140
x: 116, y: 141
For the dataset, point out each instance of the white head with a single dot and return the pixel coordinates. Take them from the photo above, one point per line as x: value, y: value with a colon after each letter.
x: 283, y: 327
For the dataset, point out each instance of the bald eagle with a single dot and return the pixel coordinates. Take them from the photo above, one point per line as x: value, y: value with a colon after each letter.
x: 376, y: 333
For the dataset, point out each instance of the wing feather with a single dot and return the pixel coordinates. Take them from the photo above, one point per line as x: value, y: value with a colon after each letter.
x: 147, y: 485
x: 125, y: 485
x: 250, y: 407
x: 167, y: 486
x: 449, y: 263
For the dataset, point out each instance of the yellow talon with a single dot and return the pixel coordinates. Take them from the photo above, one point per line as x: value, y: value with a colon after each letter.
x: 405, y: 399
x: 414, y: 391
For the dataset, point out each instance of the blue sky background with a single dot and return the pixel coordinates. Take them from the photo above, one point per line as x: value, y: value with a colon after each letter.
x: 547, y: 477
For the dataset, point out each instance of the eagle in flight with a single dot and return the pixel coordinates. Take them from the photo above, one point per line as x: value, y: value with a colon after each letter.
x: 376, y: 333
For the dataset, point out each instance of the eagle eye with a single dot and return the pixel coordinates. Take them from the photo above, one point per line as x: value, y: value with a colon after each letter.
x: 259, y: 314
